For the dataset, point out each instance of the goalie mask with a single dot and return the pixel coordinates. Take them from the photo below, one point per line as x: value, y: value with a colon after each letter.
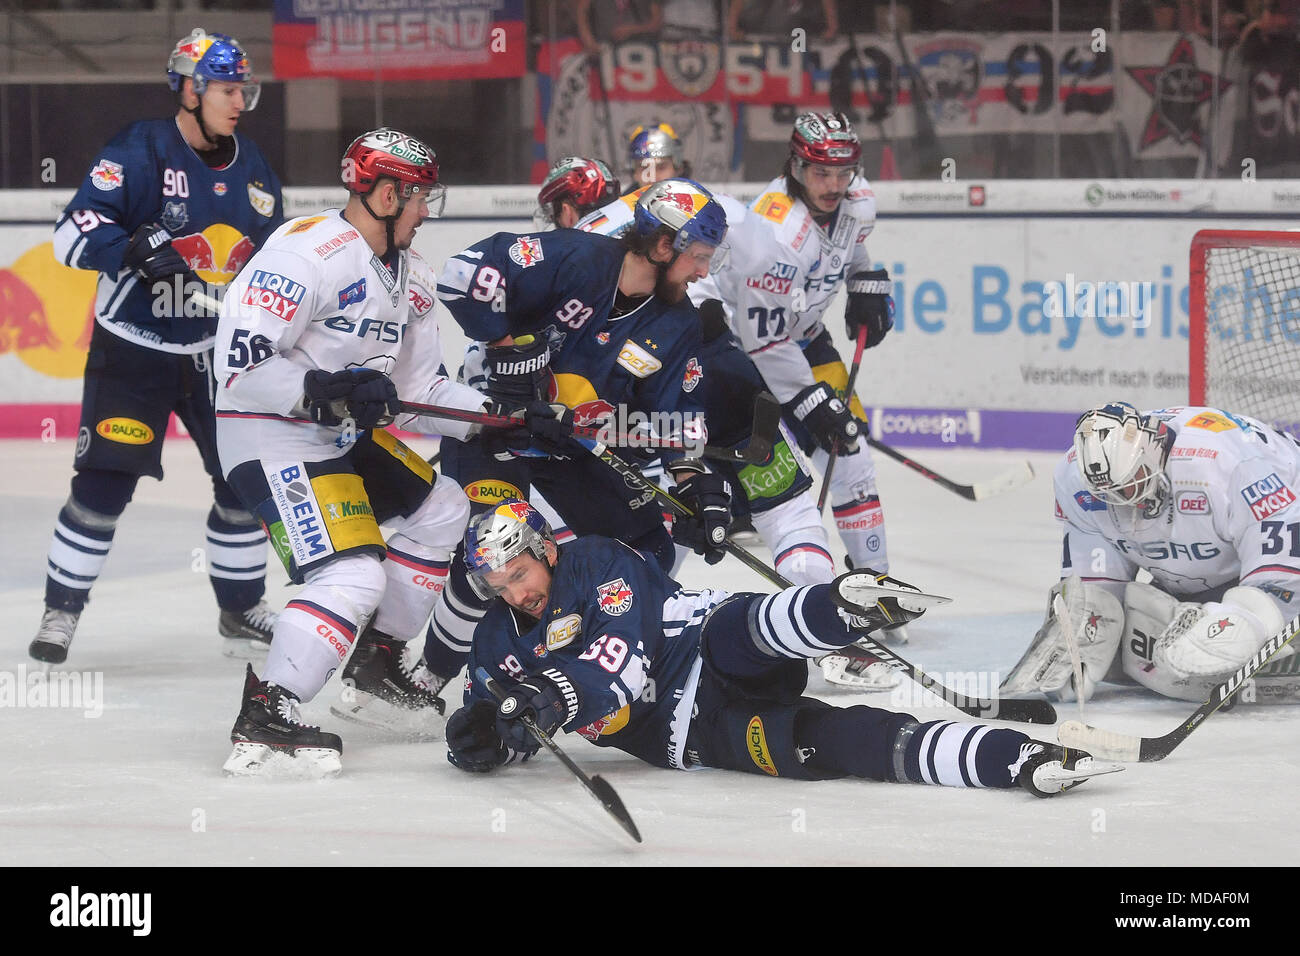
x: 1121, y: 456
x: 497, y: 537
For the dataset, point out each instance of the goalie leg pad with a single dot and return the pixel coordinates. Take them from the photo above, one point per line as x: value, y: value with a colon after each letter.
x: 1045, y: 667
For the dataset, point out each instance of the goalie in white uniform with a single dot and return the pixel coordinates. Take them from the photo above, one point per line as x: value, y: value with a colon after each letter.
x: 318, y: 335
x: 1205, y: 502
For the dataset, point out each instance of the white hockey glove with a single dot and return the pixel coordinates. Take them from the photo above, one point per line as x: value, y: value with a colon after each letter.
x: 1207, y: 640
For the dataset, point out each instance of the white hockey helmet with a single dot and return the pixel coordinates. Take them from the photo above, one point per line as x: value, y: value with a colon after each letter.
x: 1121, y: 454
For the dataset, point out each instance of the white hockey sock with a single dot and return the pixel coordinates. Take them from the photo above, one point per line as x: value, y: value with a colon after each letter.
x: 414, y: 583
x: 78, y: 549
x: 794, y: 534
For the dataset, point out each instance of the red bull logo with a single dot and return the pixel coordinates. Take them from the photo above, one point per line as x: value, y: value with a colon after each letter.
x: 692, y: 376
x: 519, y: 509
x: 216, y: 254
x: 614, y: 597
x: 47, y: 313
x: 592, y: 413
x: 527, y: 251
x: 107, y: 175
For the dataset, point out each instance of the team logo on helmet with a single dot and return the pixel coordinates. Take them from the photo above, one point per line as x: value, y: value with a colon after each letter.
x: 520, y: 509
x: 614, y: 597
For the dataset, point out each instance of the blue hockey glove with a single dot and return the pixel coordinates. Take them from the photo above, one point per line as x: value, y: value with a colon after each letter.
x: 365, y: 395
x: 870, y: 304
x: 472, y: 740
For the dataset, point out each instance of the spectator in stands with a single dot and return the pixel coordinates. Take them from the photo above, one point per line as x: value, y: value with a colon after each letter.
x: 817, y: 18
x: 616, y: 21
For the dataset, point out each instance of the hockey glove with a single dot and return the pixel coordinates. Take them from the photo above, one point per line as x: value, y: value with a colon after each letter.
x: 870, y: 304
x: 709, y: 496
x: 472, y: 740
x: 548, y: 699
x: 365, y: 395
x: 827, y: 419
x: 150, y: 254
x: 520, y: 373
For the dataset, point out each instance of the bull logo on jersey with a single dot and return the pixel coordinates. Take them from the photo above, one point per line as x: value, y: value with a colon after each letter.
x: 527, y: 251
x: 693, y: 375
x: 107, y: 176
x: 216, y: 254
x: 614, y: 597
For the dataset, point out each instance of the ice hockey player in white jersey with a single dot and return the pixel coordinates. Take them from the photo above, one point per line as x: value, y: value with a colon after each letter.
x: 1204, y: 501
x: 318, y: 336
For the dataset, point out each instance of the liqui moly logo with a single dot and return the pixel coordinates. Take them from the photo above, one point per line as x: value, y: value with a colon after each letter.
x: 1267, y: 496
x: 275, y: 293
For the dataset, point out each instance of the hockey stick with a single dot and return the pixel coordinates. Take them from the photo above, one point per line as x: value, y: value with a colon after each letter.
x: 595, y: 785
x: 848, y: 399
x: 1023, y: 711
x: 1109, y: 745
x: 980, y: 490
x: 767, y: 416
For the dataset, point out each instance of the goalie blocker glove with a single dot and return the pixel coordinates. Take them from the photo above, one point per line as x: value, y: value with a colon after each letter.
x: 365, y: 395
x: 827, y: 418
x: 870, y: 304
x: 708, y: 496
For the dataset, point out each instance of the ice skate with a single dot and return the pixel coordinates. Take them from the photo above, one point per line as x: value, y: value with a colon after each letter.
x: 873, y: 601
x: 1046, y: 769
x: 247, y: 633
x: 381, y: 690
x: 270, y: 736
x: 856, y: 667
x: 54, y: 637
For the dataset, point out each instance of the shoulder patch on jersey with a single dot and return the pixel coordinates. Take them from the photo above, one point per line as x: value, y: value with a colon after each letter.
x: 1211, y: 421
x: 777, y: 279
x: 1088, y: 503
x: 302, y: 225
x: 1267, y: 496
x: 273, y: 293
x: 774, y: 206
x: 527, y: 251
x: 356, y: 292
x: 614, y: 597
x: 594, y: 225
x: 637, y: 360
x: 1193, y: 503
x: 563, y: 631
x: 421, y: 299
x: 692, y: 376
x: 107, y: 175
x: 261, y: 201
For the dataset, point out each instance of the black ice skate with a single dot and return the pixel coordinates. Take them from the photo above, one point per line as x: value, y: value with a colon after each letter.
x: 247, y: 633
x: 873, y: 601
x: 54, y: 636
x: 381, y: 690
x: 1046, y: 770
x: 269, y: 729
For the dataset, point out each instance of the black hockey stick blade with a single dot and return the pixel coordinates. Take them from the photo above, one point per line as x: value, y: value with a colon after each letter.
x: 763, y: 434
x: 1110, y: 745
x: 599, y: 788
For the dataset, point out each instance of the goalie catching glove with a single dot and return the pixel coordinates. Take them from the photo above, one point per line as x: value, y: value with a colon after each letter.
x: 365, y: 395
x: 870, y: 304
x: 827, y: 418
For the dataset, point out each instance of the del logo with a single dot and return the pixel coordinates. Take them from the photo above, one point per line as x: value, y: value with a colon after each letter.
x: 1267, y: 496
x: 758, y: 751
x: 1088, y: 503
x: 562, y: 632
x: 490, y: 492
x: 420, y: 303
x: 527, y: 251
x: 1059, y: 513
x: 107, y: 175
x: 128, y: 431
x: 356, y: 292
x: 776, y: 280
x: 692, y: 377
x: 273, y: 292
x: 1193, y: 503
x: 615, y: 597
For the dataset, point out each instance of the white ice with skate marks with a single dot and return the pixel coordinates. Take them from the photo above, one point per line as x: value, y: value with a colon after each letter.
x: 142, y: 784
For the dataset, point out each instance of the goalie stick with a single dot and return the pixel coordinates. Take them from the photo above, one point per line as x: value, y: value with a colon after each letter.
x: 1109, y: 745
x: 1013, y: 709
x: 763, y: 431
x: 595, y: 785
x: 980, y: 490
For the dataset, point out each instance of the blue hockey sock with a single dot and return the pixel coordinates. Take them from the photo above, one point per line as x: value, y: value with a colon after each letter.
x: 957, y: 754
x: 236, y: 557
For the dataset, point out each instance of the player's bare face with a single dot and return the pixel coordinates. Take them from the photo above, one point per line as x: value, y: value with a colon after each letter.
x: 652, y: 170
x: 692, y: 264
x: 524, y: 583
x: 826, y: 185
x: 222, y: 104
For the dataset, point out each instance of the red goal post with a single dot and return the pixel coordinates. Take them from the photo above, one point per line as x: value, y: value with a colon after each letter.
x: 1244, y: 324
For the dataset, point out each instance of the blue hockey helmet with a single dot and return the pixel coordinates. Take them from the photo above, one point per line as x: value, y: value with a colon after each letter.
x: 212, y: 56
x: 686, y: 208
x: 496, y: 537
x: 654, y: 142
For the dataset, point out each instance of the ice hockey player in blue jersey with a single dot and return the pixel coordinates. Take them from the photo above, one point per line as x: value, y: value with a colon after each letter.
x: 593, y: 637
x: 594, y: 324
x: 170, y: 207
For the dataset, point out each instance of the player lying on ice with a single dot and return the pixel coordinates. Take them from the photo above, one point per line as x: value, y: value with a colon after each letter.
x: 1203, y: 501
x: 594, y: 637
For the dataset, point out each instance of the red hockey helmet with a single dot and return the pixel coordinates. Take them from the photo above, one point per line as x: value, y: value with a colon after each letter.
x: 387, y: 152
x: 587, y: 183
x: 825, y: 139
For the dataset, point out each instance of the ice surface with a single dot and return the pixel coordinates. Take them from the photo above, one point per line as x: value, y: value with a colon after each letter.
x: 141, y: 783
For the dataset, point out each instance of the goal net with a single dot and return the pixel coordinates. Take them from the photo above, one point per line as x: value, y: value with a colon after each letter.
x: 1245, y: 324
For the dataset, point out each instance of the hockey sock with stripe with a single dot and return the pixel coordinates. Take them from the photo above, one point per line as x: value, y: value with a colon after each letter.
x: 236, y: 556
